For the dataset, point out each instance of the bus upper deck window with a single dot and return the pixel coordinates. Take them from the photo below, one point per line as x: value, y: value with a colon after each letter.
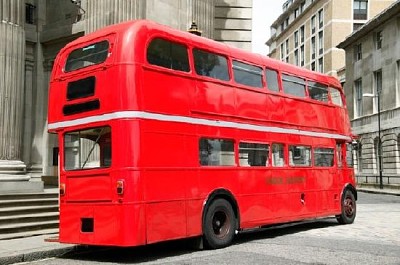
x: 211, y: 65
x: 272, y: 80
x: 318, y: 91
x: 168, y: 54
x: 92, y: 54
x: 247, y: 74
x: 294, y: 85
x: 336, y: 96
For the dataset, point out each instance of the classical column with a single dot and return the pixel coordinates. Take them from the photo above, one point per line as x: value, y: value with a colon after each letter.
x: 12, y: 64
x: 202, y: 12
x: 101, y: 13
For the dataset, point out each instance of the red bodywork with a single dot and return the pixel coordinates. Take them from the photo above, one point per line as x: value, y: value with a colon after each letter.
x: 156, y: 158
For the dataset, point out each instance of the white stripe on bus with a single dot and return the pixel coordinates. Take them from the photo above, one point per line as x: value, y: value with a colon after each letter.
x: 190, y: 120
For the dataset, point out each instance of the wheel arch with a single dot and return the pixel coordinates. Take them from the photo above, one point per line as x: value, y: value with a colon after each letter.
x: 222, y: 194
x: 350, y: 187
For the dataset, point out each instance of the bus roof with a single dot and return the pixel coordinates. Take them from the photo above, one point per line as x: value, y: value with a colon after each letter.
x: 131, y: 28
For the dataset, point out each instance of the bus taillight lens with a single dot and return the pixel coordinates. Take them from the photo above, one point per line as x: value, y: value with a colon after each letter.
x: 120, y: 187
x: 62, y: 189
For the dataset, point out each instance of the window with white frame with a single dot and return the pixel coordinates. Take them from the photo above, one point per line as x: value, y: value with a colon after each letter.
x: 320, y: 42
x: 320, y: 18
x: 296, y: 38
x: 301, y: 34
x: 313, y: 48
x: 312, y: 22
x: 358, y: 92
x: 360, y: 9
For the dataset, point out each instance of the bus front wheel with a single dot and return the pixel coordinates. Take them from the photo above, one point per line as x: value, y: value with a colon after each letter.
x: 219, y: 224
x: 348, y: 208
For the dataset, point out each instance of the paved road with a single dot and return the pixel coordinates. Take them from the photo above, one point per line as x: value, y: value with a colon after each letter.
x: 374, y: 238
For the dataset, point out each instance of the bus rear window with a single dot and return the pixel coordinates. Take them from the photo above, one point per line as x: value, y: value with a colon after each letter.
x: 92, y: 54
x: 87, y: 149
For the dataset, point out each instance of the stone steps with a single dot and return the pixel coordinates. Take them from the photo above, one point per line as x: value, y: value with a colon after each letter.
x: 24, y: 215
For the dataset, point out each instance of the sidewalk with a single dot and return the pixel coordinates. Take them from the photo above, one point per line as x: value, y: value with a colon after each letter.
x: 30, y: 249
x: 36, y: 247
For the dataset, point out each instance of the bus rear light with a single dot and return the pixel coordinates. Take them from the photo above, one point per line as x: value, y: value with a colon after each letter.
x: 62, y: 189
x: 120, y: 187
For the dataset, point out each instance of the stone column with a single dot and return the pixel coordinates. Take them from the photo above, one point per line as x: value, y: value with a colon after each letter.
x: 101, y: 13
x: 12, y: 64
x: 202, y: 12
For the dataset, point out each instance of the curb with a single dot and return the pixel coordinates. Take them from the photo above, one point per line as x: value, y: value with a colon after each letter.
x: 36, y: 255
x: 376, y: 191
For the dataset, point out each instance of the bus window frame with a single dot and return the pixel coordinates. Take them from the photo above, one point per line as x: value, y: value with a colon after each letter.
x: 161, y: 68
x: 111, y: 38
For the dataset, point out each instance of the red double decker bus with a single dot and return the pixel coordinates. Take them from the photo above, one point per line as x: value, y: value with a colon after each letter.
x: 166, y: 135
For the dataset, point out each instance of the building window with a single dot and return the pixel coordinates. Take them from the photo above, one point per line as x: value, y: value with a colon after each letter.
x: 302, y: 5
x: 360, y: 9
x: 30, y: 13
x: 313, y: 66
x: 321, y: 18
x: 358, y: 98
x: 313, y: 48
x: 378, y: 87
x: 282, y: 51
x: 321, y: 42
x: 253, y: 154
x: 302, y: 34
x: 216, y: 152
x: 356, y: 26
x: 296, y: 13
x: 378, y: 40
x: 296, y: 38
x: 287, y: 47
x: 321, y: 65
x: 313, y: 18
x: 302, y: 55
x: 296, y: 57
x: 357, y: 52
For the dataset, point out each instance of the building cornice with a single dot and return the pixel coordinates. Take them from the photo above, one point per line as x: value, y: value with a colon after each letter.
x: 389, y: 13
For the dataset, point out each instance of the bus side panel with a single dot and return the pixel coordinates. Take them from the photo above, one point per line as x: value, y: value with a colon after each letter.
x: 165, y: 91
x: 251, y: 104
x: 213, y: 98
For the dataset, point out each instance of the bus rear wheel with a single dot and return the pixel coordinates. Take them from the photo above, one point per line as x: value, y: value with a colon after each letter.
x: 219, y: 224
x: 348, y: 208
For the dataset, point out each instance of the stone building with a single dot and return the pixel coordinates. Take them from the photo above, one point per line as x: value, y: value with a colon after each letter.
x: 373, y: 95
x: 307, y: 31
x: 33, y: 31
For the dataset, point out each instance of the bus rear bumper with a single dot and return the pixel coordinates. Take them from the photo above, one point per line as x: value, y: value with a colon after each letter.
x: 102, y: 224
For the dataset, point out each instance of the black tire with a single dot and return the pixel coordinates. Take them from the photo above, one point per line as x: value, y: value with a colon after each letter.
x: 348, y: 208
x: 219, y: 224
